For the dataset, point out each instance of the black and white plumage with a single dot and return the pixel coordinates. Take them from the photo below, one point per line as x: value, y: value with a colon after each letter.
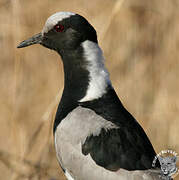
x: 96, y: 138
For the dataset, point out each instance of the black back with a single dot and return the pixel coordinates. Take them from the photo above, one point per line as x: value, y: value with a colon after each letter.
x: 126, y: 147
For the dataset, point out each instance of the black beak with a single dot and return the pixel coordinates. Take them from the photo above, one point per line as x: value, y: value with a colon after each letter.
x: 36, y: 39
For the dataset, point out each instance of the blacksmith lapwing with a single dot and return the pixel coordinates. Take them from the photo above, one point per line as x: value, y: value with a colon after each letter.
x: 96, y: 138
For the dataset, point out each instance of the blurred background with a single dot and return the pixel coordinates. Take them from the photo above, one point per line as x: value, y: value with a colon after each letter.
x: 140, y: 40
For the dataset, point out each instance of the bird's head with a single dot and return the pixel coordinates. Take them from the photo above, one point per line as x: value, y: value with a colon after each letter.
x: 70, y: 34
x: 63, y: 31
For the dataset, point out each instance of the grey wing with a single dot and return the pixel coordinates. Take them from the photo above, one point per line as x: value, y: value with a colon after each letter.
x: 71, y: 137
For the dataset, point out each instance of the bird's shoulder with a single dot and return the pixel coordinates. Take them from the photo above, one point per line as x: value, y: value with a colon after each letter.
x: 124, y: 146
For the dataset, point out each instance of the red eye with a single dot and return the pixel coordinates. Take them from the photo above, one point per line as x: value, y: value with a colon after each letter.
x: 59, y: 28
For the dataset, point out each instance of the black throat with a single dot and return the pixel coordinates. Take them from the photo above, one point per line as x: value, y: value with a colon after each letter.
x: 76, y: 75
x: 76, y: 81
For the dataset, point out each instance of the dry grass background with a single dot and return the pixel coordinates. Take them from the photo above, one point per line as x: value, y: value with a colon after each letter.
x: 140, y: 40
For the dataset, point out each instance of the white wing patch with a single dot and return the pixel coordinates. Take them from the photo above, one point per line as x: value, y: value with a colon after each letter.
x: 99, y: 76
x: 54, y: 19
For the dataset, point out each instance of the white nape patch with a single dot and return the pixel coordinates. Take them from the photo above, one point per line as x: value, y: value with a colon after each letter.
x: 99, y: 76
x: 54, y: 19
x: 68, y: 176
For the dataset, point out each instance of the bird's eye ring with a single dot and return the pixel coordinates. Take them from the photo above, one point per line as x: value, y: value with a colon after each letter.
x: 59, y: 28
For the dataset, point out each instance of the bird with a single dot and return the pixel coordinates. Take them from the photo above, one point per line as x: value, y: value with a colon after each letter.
x: 95, y: 136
